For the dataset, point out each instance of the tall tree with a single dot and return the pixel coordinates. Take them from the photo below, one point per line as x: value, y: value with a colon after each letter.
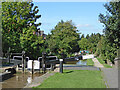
x: 87, y: 36
x: 93, y: 41
x: 82, y: 36
x: 18, y: 18
x: 106, y: 50
x: 83, y: 44
x: 0, y: 31
x: 111, y: 22
x: 64, y: 38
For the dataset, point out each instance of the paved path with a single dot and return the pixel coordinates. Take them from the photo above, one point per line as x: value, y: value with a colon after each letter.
x: 97, y: 63
x: 80, y: 67
x: 111, y: 77
x: 0, y: 86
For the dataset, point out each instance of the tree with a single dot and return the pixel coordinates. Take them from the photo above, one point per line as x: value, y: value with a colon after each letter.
x: 31, y: 43
x: 111, y: 22
x: 93, y: 41
x: 87, y: 36
x: 63, y: 38
x: 18, y: 18
x: 83, y: 44
x: 106, y: 50
x: 82, y: 36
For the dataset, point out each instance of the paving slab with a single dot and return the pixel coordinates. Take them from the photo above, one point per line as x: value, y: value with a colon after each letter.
x: 111, y: 77
x: 97, y: 63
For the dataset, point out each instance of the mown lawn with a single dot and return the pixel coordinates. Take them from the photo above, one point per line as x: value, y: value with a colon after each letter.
x: 74, y: 79
x: 90, y: 62
x: 104, y: 64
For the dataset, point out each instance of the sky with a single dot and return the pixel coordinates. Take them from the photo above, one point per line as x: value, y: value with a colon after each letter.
x: 84, y: 15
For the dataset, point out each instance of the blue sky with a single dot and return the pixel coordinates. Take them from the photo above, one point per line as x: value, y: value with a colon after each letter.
x: 83, y: 14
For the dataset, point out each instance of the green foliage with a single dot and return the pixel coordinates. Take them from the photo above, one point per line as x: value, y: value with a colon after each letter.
x: 87, y: 36
x: 108, y: 45
x: 111, y: 22
x: 31, y: 43
x: 103, y: 62
x: 90, y: 42
x: 63, y: 38
x: 82, y: 36
x: 106, y: 50
x: 18, y: 25
x: 83, y: 44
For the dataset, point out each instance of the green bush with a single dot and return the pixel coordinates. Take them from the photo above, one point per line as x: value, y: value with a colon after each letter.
x: 104, y: 64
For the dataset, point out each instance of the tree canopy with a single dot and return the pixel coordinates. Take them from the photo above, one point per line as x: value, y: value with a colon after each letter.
x: 18, y: 25
x: 110, y: 42
x: 111, y: 22
x: 63, y: 38
x: 83, y: 44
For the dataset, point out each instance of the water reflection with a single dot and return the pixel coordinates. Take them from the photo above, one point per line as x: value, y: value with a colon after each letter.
x: 82, y: 62
x: 29, y: 80
x: 19, y: 80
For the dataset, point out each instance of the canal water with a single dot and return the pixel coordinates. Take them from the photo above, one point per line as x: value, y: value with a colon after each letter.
x: 19, y: 80
x: 80, y: 62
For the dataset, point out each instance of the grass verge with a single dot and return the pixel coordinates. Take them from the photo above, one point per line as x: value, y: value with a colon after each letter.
x: 74, y: 79
x: 104, y: 64
x: 90, y: 62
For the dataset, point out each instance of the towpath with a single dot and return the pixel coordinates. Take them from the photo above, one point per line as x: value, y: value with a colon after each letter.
x: 110, y: 75
x: 97, y: 63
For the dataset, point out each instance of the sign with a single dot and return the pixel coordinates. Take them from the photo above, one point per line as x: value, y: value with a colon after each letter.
x: 36, y: 64
x: 61, y: 59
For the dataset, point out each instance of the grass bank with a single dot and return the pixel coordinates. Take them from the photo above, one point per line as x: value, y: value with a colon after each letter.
x: 103, y: 62
x: 90, y: 62
x: 74, y: 79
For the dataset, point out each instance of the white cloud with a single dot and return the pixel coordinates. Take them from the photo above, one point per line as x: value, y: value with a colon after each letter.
x: 83, y: 25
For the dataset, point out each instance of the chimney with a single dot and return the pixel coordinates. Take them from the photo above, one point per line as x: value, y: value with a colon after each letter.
x: 38, y: 32
x: 42, y: 32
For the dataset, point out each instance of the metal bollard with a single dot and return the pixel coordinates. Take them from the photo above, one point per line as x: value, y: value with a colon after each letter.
x: 61, y: 65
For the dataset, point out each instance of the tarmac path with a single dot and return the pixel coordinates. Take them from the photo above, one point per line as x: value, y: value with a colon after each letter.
x: 110, y: 75
x: 97, y: 63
